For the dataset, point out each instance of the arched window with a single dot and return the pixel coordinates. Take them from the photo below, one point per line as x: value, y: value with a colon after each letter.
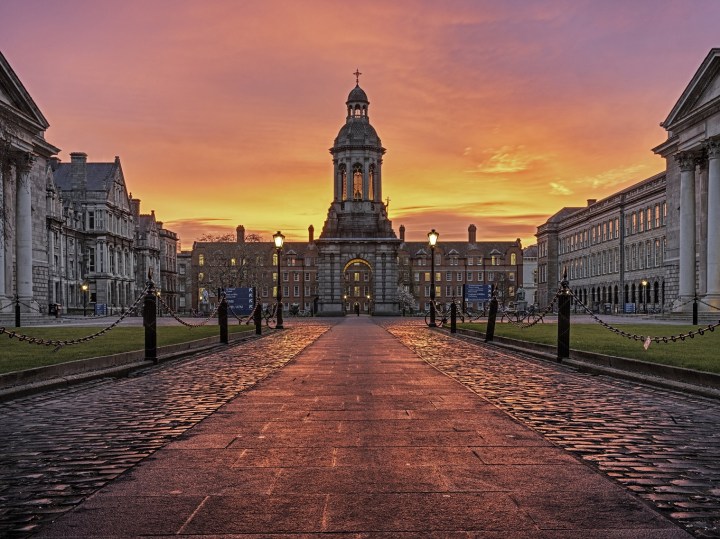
x: 342, y: 173
x: 371, y: 183
x: 513, y: 259
x: 357, y: 182
x: 656, y: 292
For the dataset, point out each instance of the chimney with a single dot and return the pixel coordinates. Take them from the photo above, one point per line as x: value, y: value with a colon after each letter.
x: 311, y: 234
x: 78, y: 171
x: 135, y: 206
x: 591, y: 201
x: 54, y: 162
x: 472, y: 234
x: 402, y: 232
x: 240, y: 233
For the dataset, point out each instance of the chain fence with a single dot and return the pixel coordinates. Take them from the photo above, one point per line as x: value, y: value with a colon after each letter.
x: 175, y: 315
x: 249, y: 318
x: 645, y: 339
x: 58, y: 344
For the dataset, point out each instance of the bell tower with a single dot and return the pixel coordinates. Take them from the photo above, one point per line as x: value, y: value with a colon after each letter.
x: 357, y: 229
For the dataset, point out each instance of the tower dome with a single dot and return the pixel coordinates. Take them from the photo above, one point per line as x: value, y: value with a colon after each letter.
x: 357, y: 94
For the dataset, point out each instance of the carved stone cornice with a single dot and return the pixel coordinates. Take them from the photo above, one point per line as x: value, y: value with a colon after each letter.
x: 686, y: 161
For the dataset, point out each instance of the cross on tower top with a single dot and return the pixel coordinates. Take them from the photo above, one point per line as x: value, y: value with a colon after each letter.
x: 357, y: 76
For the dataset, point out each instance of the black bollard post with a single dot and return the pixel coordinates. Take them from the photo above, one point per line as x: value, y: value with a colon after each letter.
x: 453, y: 317
x: 17, y: 311
x: 150, y: 320
x: 695, y: 311
x: 257, y: 316
x: 223, y: 318
x: 564, y: 301
x: 492, y: 315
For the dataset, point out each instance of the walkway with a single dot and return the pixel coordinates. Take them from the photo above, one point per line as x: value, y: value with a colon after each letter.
x: 358, y: 435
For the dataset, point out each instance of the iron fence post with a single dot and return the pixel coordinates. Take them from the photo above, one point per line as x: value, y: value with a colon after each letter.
x: 223, y: 318
x: 492, y: 315
x: 150, y: 320
x: 564, y: 301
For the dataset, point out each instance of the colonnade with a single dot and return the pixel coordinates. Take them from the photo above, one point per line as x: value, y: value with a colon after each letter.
x: 17, y: 222
x: 689, y: 161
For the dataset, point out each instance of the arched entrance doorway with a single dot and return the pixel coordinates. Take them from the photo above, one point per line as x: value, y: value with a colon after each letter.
x: 358, y: 286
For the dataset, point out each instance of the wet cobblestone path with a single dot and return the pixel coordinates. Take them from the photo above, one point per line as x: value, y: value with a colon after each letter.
x: 664, y: 446
x: 59, y: 447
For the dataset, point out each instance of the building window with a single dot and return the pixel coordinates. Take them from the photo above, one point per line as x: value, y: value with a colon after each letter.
x: 448, y: 275
x: 470, y: 261
x: 459, y: 276
x: 469, y: 276
x: 357, y: 182
x: 427, y: 276
x: 513, y: 259
x: 201, y: 260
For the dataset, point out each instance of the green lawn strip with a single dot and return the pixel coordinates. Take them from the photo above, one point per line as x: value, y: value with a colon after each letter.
x: 18, y: 355
x: 700, y: 352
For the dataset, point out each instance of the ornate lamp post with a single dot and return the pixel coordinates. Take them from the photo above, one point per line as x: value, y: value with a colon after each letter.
x: 644, y: 284
x: 432, y: 239
x: 279, y: 239
x: 84, y: 288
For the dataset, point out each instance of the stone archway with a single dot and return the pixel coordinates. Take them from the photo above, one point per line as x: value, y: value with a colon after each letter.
x: 357, y: 278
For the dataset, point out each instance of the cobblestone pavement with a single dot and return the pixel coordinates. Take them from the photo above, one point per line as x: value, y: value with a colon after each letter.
x: 662, y: 445
x: 59, y: 447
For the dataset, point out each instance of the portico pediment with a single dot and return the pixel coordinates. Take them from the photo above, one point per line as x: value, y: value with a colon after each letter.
x: 14, y: 94
x: 701, y: 96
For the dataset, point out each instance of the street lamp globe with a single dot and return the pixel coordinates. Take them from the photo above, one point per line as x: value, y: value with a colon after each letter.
x: 432, y: 240
x: 279, y: 239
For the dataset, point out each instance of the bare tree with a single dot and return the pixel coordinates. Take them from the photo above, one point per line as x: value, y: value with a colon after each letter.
x: 228, y: 263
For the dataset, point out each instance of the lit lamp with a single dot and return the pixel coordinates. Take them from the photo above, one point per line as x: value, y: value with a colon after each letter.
x: 279, y: 239
x: 644, y: 284
x: 84, y: 288
x: 432, y: 239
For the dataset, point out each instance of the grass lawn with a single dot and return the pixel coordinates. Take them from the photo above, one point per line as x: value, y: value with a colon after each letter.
x: 700, y: 353
x: 16, y: 355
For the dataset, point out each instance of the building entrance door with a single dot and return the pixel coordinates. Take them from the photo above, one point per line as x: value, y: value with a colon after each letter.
x: 358, y: 281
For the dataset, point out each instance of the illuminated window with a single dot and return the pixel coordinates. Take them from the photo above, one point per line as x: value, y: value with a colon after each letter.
x: 201, y: 260
x: 513, y: 259
x: 357, y: 182
x: 371, y: 183
x: 343, y: 180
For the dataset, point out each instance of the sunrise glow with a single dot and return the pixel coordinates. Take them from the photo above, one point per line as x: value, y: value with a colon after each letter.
x: 493, y: 113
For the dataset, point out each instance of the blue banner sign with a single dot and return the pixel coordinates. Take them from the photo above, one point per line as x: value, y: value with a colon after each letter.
x: 478, y: 292
x: 240, y: 300
x: 100, y: 309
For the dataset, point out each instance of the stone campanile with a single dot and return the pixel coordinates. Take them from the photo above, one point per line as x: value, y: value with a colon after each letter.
x: 357, y: 248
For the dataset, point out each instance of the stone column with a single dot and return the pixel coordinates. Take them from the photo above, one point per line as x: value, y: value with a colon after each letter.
x: 686, y: 161
x: 3, y: 216
x: 23, y: 230
x: 713, y: 224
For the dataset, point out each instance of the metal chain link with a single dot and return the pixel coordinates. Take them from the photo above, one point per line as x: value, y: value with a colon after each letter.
x: 646, y: 339
x: 249, y: 318
x: 59, y: 344
x: 173, y: 314
x: 545, y: 311
x: 711, y: 306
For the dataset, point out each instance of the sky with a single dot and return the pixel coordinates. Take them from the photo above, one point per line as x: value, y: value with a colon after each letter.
x: 493, y: 113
